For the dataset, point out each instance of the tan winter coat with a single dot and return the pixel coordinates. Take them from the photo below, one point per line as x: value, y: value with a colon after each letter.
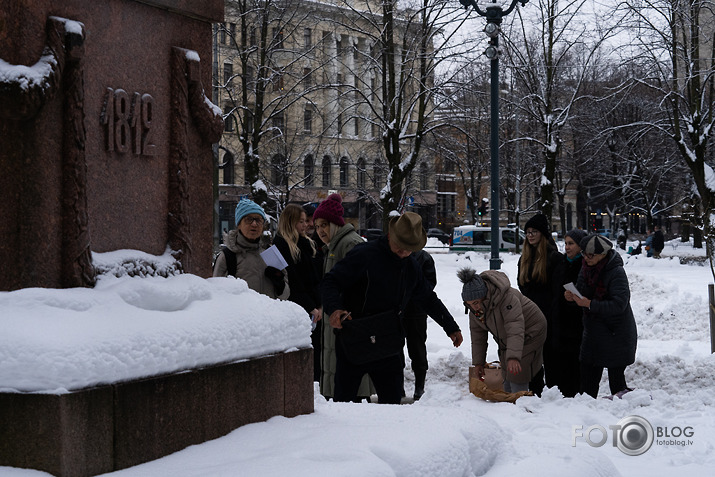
x: 517, y: 324
x: 249, y: 265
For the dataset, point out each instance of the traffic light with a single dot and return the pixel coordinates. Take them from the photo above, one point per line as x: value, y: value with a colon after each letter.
x: 482, y: 210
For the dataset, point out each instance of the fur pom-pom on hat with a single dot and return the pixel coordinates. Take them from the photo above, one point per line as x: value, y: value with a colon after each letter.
x: 474, y: 287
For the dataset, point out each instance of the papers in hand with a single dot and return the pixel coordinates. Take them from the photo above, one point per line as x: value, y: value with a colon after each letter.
x: 572, y: 288
x: 273, y: 258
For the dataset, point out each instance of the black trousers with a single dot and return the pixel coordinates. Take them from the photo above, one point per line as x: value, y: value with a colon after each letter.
x: 386, y: 375
x: 591, y: 378
x: 316, y: 338
x: 416, y: 335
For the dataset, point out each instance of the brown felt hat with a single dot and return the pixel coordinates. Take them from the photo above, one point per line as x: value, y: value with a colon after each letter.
x: 407, y: 232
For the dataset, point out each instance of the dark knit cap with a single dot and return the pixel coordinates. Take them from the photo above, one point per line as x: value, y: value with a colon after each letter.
x: 474, y: 287
x: 309, y: 209
x: 576, y: 235
x: 595, y: 244
x: 539, y: 223
x: 331, y: 209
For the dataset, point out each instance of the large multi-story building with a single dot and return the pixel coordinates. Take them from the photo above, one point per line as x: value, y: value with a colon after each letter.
x: 299, y: 84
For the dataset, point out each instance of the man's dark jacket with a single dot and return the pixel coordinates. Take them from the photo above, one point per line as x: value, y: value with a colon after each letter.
x: 371, y: 279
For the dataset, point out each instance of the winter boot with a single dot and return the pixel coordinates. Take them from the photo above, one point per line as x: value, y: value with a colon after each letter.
x: 419, y: 385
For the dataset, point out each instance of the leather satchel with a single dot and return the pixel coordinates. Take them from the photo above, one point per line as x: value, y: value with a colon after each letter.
x: 372, y: 338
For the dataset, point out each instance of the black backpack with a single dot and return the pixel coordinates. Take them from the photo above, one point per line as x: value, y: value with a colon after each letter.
x: 231, y: 261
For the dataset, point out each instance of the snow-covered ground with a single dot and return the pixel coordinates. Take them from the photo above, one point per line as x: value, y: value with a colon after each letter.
x: 448, y: 432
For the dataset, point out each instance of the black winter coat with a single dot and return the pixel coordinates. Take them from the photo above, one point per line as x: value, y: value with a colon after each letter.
x: 568, y: 329
x: 609, y: 328
x: 426, y: 263
x: 546, y: 295
x: 302, y: 277
x: 371, y: 279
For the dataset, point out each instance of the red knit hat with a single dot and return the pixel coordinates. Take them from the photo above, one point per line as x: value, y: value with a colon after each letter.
x: 331, y: 209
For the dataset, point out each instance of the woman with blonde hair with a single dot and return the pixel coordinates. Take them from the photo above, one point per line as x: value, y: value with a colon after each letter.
x: 539, y: 278
x: 298, y: 251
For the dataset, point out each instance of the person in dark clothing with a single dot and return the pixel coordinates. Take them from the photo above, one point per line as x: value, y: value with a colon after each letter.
x: 415, y: 324
x: 539, y: 271
x: 298, y: 251
x: 609, y: 328
x: 569, y: 325
x: 377, y: 277
x: 658, y: 242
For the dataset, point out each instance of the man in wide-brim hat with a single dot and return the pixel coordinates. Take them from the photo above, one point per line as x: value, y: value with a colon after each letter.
x: 379, y: 278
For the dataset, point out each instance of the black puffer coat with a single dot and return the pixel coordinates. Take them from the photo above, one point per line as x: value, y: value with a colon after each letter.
x: 609, y: 328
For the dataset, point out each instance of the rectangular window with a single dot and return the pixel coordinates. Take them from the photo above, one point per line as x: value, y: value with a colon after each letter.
x: 278, y: 38
x: 307, y: 38
x: 307, y: 78
x: 308, y: 121
x: 357, y: 127
x: 227, y: 74
x: 227, y: 119
x: 278, y: 125
x: 356, y: 85
x: 340, y: 123
x: 278, y: 83
x: 232, y: 29
x: 222, y: 33
x: 326, y: 42
x: 252, y: 37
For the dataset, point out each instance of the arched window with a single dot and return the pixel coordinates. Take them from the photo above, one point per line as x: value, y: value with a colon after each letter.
x: 361, y: 173
x: 278, y: 175
x: 424, y: 176
x: 344, y: 172
x: 327, y: 171
x: 227, y: 167
x: 308, y: 174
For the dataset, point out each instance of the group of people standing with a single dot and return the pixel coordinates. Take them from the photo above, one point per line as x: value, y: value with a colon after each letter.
x: 362, y: 297
x: 365, y: 297
x: 547, y: 334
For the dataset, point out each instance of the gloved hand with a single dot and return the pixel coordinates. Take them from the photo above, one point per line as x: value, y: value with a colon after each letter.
x: 276, y: 277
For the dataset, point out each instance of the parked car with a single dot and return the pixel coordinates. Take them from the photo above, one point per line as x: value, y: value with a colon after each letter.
x: 440, y: 234
x: 371, y: 234
x: 605, y: 232
x: 475, y: 238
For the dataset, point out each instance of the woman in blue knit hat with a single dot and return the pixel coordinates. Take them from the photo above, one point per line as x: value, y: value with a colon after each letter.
x: 240, y: 256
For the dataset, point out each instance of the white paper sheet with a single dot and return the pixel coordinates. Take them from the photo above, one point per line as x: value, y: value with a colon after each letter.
x: 273, y: 258
x: 572, y: 288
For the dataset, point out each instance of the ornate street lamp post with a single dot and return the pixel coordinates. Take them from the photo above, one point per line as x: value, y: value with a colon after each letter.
x: 494, y: 13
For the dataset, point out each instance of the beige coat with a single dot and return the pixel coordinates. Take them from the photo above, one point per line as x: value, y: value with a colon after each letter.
x: 517, y: 324
x: 249, y: 265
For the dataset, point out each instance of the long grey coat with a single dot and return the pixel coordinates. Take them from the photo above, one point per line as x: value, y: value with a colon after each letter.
x: 517, y: 324
x: 343, y: 241
x: 249, y: 265
x: 609, y: 328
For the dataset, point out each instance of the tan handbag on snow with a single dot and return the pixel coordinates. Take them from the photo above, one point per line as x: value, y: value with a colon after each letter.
x: 491, y: 388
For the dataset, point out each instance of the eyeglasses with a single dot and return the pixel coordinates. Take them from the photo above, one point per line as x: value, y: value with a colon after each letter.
x: 254, y: 220
x: 531, y: 233
x: 590, y: 255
